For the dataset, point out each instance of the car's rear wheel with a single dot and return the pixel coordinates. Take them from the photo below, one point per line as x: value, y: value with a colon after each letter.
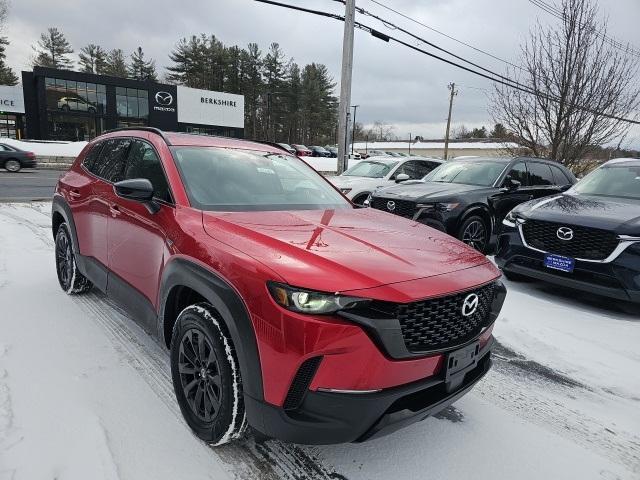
x: 206, y: 376
x: 12, y: 165
x: 475, y: 233
x: 69, y: 277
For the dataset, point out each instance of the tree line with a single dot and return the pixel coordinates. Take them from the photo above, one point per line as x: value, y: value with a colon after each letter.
x: 284, y: 101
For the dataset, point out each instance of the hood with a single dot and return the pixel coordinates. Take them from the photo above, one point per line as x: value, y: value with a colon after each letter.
x: 614, y: 214
x: 355, y: 182
x: 345, y: 249
x: 425, y: 190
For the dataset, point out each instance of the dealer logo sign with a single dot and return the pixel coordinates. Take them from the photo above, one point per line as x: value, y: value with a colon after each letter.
x: 164, y: 102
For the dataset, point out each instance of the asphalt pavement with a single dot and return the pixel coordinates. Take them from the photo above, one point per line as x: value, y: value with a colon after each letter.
x: 28, y: 185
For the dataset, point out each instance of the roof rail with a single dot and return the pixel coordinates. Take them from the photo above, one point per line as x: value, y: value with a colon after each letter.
x: 157, y: 131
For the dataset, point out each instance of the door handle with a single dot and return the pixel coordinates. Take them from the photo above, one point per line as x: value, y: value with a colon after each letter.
x: 115, y: 210
x: 75, y: 193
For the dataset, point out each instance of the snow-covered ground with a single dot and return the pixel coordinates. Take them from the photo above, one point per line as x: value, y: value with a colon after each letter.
x: 49, y: 149
x: 85, y: 394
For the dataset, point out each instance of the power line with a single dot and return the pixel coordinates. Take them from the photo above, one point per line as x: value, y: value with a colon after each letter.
x: 493, y: 76
x: 559, y: 14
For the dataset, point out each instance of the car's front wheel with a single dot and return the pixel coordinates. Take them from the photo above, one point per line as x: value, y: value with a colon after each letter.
x: 12, y: 165
x: 206, y: 376
x: 69, y: 277
x: 359, y: 199
x: 475, y: 233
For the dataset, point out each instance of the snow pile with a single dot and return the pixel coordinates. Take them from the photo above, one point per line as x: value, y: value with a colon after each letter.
x: 47, y: 149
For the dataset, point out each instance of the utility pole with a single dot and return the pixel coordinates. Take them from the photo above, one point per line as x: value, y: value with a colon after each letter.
x: 454, y: 92
x: 409, y: 143
x: 345, y: 84
x: 353, y: 129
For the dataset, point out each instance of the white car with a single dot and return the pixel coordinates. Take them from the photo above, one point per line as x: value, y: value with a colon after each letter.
x: 364, y: 177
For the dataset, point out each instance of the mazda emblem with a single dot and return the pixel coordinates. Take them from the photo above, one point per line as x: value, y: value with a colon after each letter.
x: 164, y: 98
x: 565, y: 233
x: 391, y: 206
x: 470, y: 304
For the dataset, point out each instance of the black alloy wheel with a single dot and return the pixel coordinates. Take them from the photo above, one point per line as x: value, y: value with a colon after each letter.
x: 64, y: 260
x: 200, y: 374
x: 474, y: 233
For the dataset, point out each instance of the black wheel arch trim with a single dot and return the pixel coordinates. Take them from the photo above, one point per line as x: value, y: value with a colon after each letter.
x: 475, y: 209
x: 181, y: 272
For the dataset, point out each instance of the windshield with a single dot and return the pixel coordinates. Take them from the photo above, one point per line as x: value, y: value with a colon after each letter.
x: 370, y: 169
x: 224, y: 179
x: 612, y: 181
x: 482, y: 173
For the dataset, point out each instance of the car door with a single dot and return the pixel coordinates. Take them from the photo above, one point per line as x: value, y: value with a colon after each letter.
x: 541, y: 179
x: 506, y: 199
x: 138, y: 239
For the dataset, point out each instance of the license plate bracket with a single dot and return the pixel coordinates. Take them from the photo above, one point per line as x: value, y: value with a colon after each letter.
x: 559, y: 262
x: 459, y: 362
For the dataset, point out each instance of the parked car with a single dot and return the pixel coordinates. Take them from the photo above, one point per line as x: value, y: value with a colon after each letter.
x: 377, y: 153
x: 364, y: 177
x: 283, y: 306
x: 469, y: 198
x: 76, y: 104
x: 393, y: 154
x: 317, y: 151
x: 333, y: 151
x: 587, y: 238
x: 13, y: 159
x: 302, y: 151
x: 288, y: 148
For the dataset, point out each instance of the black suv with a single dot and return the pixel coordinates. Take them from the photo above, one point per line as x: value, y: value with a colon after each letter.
x: 587, y: 238
x: 468, y: 198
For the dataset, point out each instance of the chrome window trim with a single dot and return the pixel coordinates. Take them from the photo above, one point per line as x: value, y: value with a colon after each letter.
x: 625, y: 241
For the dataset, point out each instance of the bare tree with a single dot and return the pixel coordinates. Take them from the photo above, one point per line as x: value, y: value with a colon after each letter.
x: 584, y: 88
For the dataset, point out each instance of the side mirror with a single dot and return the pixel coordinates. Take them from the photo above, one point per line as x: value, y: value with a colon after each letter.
x: 138, y: 190
x: 402, y: 177
x: 511, y: 184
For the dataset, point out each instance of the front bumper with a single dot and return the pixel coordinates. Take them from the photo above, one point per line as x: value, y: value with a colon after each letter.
x: 328, y: 418
x: 619, y: 279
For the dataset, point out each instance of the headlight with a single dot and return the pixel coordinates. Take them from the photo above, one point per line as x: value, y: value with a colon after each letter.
x: 345, y: 190
x: 307, y: 301
x: 512, y: 219
x: 439, y: 207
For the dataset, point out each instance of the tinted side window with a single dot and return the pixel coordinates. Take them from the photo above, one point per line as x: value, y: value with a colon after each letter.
x: 519, y: 172
x: 422, y: 168
x: 111, y: 163
x: 90, y: 159
x: 412, y: 169
x: 143, y: 162
x: 540, y: 174
x: 559, y: 176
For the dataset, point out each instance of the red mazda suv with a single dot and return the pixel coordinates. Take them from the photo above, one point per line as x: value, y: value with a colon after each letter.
x: 283, y: 305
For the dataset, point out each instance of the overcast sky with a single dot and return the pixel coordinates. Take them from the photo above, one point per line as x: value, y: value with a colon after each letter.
x: 390, y: 83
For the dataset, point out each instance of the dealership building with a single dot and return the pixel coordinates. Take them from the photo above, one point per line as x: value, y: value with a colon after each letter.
x: 64, y: 105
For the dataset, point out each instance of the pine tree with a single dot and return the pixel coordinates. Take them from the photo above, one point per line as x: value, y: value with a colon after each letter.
x: 92, y: 59
x: 252, y: 87
x: 140, y: 69
x: 52, y: 50
x: 7, y: 77
x: 115, y: 64
x: 274, y: 69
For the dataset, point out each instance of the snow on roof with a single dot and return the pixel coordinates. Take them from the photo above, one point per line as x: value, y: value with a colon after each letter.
x: 49, y: 149
x: 432, y: 145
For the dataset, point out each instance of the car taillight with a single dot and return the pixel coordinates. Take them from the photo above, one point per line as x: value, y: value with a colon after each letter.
x: 31, y: 155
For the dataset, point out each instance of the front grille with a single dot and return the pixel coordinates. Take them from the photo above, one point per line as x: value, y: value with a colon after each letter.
x: 438, y: 323
x: 301, y: 382
x: 404, y: 208
x: 587, y: 243
x: 578, y: 274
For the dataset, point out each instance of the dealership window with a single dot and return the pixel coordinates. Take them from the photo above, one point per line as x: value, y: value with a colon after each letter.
x: 77, y: 97
x: 132, y: 106
x: 72, y: 127
x: 8, y: 125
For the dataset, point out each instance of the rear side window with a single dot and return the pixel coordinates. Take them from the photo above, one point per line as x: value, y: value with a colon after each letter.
x: 91, y: 157
x: 519, y: 173
x: 143, y: 162
x: 559, y: 176
x: 112, y: 160
x: 540, y: 174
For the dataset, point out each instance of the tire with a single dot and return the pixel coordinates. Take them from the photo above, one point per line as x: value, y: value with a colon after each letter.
x: 360, y: 198
x: 12, y: 165
x: 475, y: 233
x: 70, y: 279
x: 207, y: 371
